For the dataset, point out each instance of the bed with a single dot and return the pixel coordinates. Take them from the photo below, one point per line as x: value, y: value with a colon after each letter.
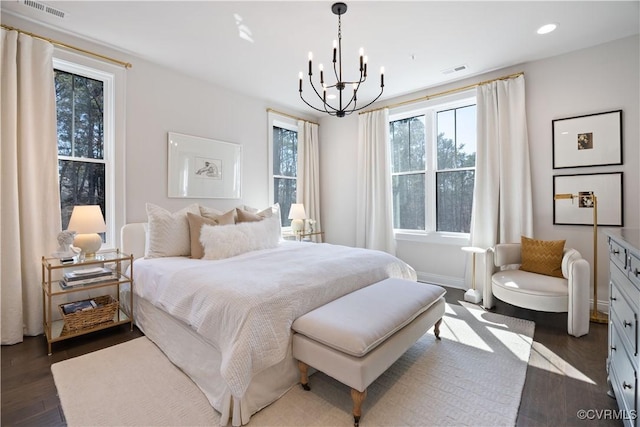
x: 227, y: 322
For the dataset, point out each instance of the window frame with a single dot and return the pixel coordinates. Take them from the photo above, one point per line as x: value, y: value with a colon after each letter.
x: 429, y: 109
x: 113, y: 78
x: 278, y: 120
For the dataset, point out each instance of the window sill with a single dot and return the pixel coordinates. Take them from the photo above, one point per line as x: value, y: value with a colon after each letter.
x: 442, y: 238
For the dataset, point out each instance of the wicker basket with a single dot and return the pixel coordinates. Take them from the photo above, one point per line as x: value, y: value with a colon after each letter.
x: 103, y: 313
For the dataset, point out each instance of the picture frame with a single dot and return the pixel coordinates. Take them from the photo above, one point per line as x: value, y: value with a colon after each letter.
x: 203, y: 168
x: 606, y: 187
x: 589, y: 140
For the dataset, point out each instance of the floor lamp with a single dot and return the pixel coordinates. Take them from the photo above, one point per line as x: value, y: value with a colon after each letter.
x: 590, y: 199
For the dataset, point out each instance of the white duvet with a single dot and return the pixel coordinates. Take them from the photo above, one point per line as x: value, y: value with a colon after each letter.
x: 245, y: 305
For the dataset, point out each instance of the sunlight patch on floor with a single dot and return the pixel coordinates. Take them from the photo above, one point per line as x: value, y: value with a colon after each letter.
x: 543, y: 358
x: 518, y: 344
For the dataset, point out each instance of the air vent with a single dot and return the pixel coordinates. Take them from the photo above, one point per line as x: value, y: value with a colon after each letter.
x: 455, y: 69
x: 44, y: 8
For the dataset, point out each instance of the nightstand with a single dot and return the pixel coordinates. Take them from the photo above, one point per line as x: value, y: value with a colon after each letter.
x: 302, y: 237
x: 93, y: 276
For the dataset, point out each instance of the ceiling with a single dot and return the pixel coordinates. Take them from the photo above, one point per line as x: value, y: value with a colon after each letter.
x: 258, y: 47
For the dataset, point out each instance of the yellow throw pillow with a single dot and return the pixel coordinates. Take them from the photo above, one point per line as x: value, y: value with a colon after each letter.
x: 542, y: 256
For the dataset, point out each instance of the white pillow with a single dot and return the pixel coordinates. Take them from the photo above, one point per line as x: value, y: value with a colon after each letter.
x: 224, y: 241
x: 168, y: 233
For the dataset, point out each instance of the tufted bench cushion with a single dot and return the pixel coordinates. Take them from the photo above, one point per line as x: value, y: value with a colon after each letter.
x: 358, y: 322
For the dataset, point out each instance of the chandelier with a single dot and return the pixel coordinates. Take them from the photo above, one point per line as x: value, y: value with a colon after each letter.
x: 347, y: 104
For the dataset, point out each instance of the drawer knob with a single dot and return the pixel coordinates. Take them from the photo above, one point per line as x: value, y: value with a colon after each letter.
x: 613, y: 299
x: 625, y: 385
x: 629, y: 324
x: 636, y: 272
x: 613, y: 348
x: 615, y: 251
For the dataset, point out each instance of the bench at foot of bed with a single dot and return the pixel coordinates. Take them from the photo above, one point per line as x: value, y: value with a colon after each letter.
x: 355, y: 338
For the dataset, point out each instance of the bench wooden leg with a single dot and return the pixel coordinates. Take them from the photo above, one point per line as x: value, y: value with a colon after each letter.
x: 357, y: 397
x: 436, y: 329
x: 304, y: 377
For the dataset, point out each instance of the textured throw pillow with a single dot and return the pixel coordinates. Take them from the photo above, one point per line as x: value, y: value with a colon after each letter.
x: 224, y: 241
x: 168, y: 233
x: 542, y: 256
x: 195, y: 226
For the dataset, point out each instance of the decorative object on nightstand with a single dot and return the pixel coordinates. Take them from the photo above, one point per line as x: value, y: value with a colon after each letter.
x: 87, y: 221
x: 64, y: 251
x: 587, y: 199
x: 473, y: 295
x: 297, y: 216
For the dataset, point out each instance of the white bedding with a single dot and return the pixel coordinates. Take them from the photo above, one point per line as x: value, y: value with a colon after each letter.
x: 245, y: 305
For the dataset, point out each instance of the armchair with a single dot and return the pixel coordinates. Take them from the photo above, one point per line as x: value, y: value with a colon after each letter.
x: 537, y: 291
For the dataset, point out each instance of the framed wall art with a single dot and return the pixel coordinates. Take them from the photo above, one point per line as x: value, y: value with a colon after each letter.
x: 578, y: 210
x: 591, y: 140
x: 203, y: 168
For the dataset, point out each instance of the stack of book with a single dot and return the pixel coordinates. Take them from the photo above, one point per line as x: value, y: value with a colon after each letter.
x: 87, y: 276
x: 85, y: 305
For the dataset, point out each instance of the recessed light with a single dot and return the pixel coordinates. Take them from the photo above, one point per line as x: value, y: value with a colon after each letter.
x: 546, y: 29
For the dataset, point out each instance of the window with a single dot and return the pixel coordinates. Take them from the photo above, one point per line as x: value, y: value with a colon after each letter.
x: 433, y: 152
x: 90, y: 128
x: 81, y: 157
x: 284, y: 164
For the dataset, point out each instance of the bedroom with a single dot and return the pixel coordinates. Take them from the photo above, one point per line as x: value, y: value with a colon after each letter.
x: 156, y: 97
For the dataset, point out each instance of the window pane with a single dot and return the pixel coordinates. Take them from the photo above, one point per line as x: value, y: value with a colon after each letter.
x: 284, y: 190
x: 81, y: 183
x: 466, y: 135
x: 285, y: 152
x: 79, y: 106
x: 408, y: 202
x: 456, y: 130
x: 454, y: 200
x: 407, y: 144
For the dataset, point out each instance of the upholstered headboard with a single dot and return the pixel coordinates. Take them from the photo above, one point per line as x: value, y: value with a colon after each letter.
x: 134, y: 238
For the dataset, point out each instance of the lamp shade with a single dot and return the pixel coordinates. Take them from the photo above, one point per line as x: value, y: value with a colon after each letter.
x: 87, y: 219
x: 297, y: 211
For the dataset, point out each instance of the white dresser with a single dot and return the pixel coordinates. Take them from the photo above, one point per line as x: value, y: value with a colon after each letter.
x: 624, y: 308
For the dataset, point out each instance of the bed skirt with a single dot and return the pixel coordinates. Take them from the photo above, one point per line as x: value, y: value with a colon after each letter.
x: 200, y: 360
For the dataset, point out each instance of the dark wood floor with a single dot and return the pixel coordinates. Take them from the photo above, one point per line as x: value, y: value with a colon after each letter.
x: 565, y: 374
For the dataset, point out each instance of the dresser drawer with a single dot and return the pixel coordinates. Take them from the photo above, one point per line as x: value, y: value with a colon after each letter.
x: 623, y: 376
x: 623, y: 316
x: 634, y: 272
x: 618, y: 254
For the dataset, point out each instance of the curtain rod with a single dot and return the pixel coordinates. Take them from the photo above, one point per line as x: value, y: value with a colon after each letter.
x: 66, y: 46
x: 446, y: 92
x: 271, y: 110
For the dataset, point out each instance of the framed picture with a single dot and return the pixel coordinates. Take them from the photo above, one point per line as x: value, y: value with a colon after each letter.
x: 203, y: 168
x: 578, y: 209
x: 592, y: 140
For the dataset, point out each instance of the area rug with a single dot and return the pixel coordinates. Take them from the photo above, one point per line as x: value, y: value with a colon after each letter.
x: 473, y: 376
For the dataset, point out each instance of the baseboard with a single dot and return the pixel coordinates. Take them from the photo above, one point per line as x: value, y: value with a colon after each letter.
x: 452, y: 282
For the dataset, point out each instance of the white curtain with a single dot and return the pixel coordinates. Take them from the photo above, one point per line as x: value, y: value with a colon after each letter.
x: 308, y: 187
x: 502, y: 199
x: 30, y: 211
x: 374, y: 222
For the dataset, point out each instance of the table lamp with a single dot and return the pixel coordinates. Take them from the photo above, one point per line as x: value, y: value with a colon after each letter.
x: 87, y: 221
x: 588, y: 199
x: 297, y: 216
x: 473, y: 295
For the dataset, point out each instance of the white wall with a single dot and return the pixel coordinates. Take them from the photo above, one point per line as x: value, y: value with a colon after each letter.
x: 593, y: 80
